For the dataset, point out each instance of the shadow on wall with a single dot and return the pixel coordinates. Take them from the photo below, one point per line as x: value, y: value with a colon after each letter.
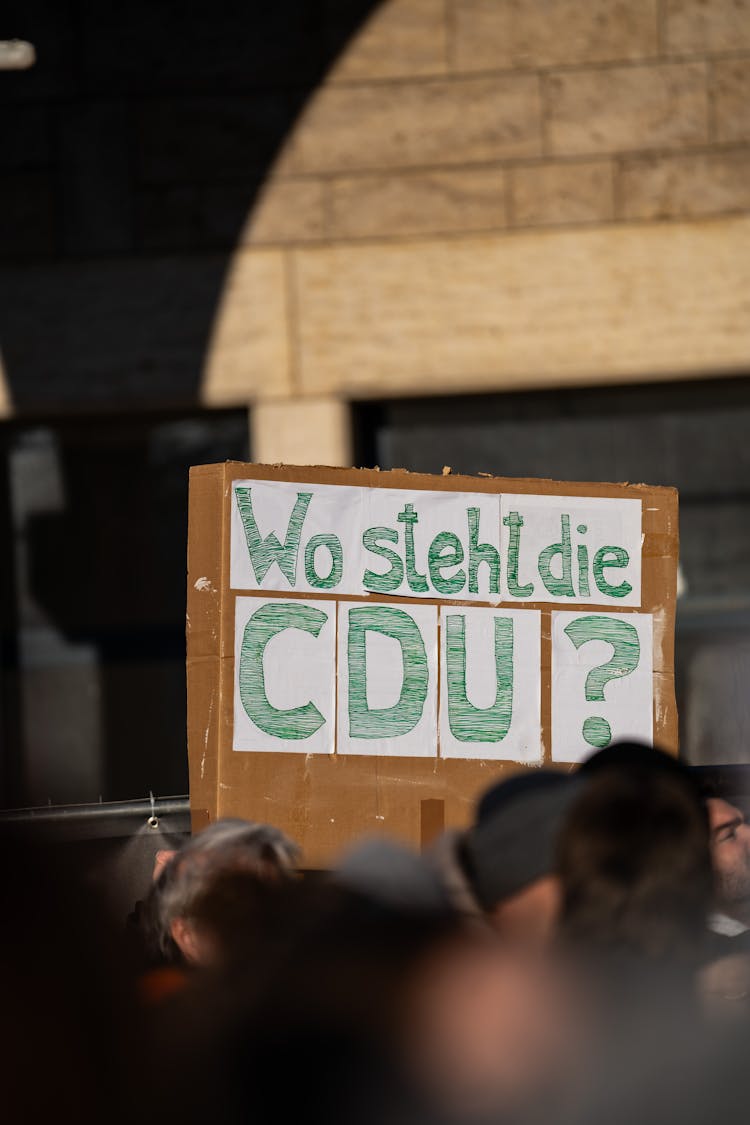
x: 132, y: 154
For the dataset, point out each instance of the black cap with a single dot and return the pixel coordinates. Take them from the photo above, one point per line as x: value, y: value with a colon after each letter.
x: 514, y: 839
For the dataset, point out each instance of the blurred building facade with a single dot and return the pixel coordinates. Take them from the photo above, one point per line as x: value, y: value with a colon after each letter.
x: 512, y: 237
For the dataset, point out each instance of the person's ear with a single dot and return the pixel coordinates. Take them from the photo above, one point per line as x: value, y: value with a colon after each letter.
x: 186, y: 940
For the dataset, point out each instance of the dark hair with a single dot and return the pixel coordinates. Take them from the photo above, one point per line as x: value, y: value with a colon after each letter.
x: 635, y: 865
x: 512, y: 843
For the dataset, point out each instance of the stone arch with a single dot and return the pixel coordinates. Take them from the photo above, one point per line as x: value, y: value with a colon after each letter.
x: 344, y: 199
x: 133, y: 154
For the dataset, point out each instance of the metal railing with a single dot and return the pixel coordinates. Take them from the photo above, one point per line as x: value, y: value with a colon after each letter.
x: 103, y: 818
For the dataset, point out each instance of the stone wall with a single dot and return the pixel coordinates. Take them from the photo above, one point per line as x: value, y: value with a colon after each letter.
x: 462, y: 195
x: 487, y: 115
x: 521, y: 194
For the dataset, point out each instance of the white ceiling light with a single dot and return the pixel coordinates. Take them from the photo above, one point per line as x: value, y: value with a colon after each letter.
x: 16, y: 54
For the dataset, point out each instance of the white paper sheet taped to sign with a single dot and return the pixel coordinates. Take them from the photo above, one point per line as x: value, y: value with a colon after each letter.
x: 435, y: 545
x: 293, y: 538
x: 602, y: 681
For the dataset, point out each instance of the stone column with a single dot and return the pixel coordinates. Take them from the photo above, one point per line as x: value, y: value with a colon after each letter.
x: 309, y: 431
x: 6, y: 408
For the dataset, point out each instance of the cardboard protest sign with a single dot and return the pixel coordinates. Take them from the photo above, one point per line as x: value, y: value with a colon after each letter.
x: 367, y: 651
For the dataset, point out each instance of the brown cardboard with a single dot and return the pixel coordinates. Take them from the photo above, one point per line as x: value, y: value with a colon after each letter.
x: 325, y: 802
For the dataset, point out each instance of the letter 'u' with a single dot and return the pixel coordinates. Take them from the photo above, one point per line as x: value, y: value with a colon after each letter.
x: 467, y: 722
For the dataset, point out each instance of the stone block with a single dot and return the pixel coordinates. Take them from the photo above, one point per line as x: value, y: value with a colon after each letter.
x: 668, y: 187
x: 6, y: 405
x: 93, y: 146
x: 525, y: 309
x: 286, y: 211
x: 192, y: 216
x: 144, y: 332
x: 27, y: 215
x: 311, y: 431
x: 418, y: 203
x: 731, y: 99
x: 399, y: 39
x: 626, y: 108
x: 579, y: 192
x: 503, y: 34
x: 198, y: 47
x: 207, y: 216
x: 26, y: 135
x: 248, y: 353
x: 208, y: 139
x: 695, y: 27
x: 404, y: 124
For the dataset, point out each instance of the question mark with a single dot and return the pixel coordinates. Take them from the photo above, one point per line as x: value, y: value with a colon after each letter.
x: 625, y: 656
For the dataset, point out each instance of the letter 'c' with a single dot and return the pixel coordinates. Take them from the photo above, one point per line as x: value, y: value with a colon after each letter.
x: 265, y: 623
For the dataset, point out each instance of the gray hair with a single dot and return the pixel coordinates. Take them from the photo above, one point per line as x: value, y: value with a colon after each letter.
x: 230, y: 844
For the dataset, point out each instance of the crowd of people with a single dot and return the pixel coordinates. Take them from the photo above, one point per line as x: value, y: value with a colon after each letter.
x: 580, y: 953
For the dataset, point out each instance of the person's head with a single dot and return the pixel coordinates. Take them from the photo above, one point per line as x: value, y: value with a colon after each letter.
x: 491, y: 1030
x: 180, y: 893
x: 509, y: 854
x: 634, y: 862
x: 640, y: 759
x: 730, y: 851
x: 392, y: 874
x: 67, y: 989
x: 322, y: 989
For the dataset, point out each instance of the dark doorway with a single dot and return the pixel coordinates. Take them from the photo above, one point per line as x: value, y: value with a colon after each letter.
x: 94, y: 518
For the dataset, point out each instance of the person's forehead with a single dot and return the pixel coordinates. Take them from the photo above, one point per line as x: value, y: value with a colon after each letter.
x: 721, y: 812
